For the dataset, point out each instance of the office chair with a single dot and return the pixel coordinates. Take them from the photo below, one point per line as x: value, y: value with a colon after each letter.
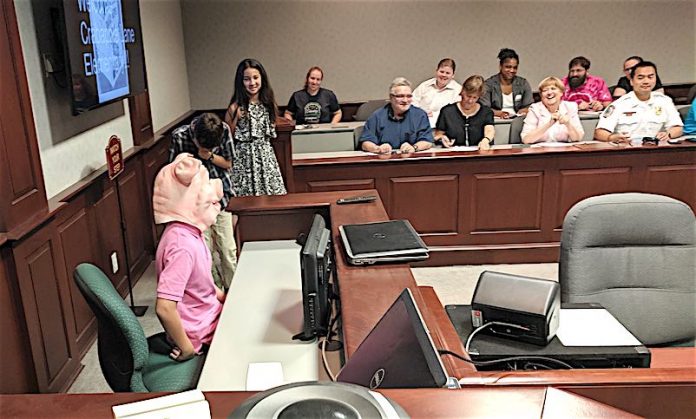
x: 368, y: 108
x: 128, y: 360
x: 516, y: 130
x: 635, y: 254
x: 684, y: 111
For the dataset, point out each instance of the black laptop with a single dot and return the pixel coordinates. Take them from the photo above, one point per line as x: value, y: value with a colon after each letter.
x: 398, y: 352
x: 386, y: 241
x: 485, y: 347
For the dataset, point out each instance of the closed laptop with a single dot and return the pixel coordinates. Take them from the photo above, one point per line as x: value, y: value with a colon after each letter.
x: 385, y: 241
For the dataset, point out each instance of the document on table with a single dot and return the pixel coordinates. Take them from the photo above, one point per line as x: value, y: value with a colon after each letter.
x: 592, y: 327
x: 264, y: 375
x: 188, y: 404
x: 463, y: 148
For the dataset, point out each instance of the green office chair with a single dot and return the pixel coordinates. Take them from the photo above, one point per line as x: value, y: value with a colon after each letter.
x: 128, y: 360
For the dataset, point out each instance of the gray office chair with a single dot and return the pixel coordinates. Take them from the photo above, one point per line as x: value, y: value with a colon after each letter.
x: 635, y: 254
x: 368, y: 108
x: 684, y: 111
x: 516, y: 130
x: 691, y: 95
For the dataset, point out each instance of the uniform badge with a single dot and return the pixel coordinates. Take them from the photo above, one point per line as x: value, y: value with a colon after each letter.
x: 608, y: 111
x: 658, y: 110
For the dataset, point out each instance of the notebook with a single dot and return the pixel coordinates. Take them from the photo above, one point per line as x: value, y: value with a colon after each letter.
x: 386, y: 241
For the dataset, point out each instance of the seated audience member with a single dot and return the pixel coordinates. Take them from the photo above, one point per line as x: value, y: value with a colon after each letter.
x: 690, y: 121
x: 467, y: 122
x: 397, y: 125
x: 313, y: 104
x: 188, y: 302
x: 441, y: 90
x: 588, y: 91
x: 507, y: 93
x: 623, y: 86
x: 640, y: 113
x: 552, y: 119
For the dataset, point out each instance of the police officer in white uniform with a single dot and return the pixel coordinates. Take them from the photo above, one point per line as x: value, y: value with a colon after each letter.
x: 641, y: 113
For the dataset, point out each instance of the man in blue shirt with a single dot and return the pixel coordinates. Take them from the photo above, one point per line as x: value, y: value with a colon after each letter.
x: 397, y: 125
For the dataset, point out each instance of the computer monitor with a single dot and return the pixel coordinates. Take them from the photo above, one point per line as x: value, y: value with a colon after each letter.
x: 316, y: 266
x: 397, y: 353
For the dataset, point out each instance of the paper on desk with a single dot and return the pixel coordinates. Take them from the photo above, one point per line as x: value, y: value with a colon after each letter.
x: 552, y: 144
x: 264, y: 375
x: 463, y: 148
x: 592, y: 327
x: 182, y: 405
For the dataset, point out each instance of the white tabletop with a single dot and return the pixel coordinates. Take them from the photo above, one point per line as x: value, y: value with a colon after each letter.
x: 262, y: 312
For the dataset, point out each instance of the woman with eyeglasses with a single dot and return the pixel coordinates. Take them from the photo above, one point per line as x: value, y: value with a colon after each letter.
x: 436, y: 92
x: 623, y: 86
x: 467, y: 122
x: 313, y: 104
x: 507, y: 93
x: 552, y: 119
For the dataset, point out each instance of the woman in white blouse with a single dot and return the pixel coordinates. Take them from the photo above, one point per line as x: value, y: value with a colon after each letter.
x: 441, y: 90
x: 552, y: 119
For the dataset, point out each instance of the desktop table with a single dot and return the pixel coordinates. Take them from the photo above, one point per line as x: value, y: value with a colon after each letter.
x: 367, y: 291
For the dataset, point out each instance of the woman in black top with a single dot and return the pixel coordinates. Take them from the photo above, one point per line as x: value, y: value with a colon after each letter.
x: 313, y: 104
x: 467, y: 122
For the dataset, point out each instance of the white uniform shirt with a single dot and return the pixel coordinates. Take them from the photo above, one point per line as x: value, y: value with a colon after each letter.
x: 431, y: 99
x: 634, y: 118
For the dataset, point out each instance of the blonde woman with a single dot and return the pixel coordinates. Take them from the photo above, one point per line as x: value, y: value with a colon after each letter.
x: 467, y: 122
x: 552, y: 119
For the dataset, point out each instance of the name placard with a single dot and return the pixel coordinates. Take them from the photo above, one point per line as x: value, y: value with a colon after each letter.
x: 114, y: 157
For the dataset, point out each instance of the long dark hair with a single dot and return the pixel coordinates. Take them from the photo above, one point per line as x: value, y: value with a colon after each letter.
x: 266, y: 95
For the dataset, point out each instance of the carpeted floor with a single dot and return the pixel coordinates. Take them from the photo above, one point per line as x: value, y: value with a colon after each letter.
x: 453, y: 285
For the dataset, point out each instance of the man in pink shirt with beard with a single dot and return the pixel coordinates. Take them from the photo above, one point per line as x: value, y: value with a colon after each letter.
x: 188, y: 302
x: 589, y: 92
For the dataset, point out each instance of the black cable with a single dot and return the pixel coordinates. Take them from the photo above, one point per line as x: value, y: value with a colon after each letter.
x: 511, y: 358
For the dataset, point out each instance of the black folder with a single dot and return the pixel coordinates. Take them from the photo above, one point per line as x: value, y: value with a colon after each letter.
x: 386, y: 241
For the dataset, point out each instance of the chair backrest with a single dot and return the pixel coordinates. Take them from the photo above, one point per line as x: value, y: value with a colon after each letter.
x: 684, y: 111
x: 691, y: 95
x: 122, y: 346
x: 635, y: 254
x: 368, y: 108
x: 516, y: 130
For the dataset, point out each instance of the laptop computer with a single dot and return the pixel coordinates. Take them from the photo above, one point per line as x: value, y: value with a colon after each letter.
x: 385, y: 241
x: 397, y: 353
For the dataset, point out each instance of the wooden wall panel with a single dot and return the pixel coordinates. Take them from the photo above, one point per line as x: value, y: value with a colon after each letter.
x: 677, y: 181
x: 109, y: 238
x: 153, y: 161
x: 76, y: 238
x: 135, y: 207
x: 441, y: 194
x: 16, y: 365
x: 22, y: 192
x: 43, y: 286
x: 504, y: 202
x: 338, y: 185
x: 578, y: 184
x: 141, y: 118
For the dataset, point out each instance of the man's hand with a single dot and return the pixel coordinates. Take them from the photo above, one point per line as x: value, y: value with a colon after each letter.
x: 618, y: 138
x: 407, y: 148
x: 662, y: 136
x: 446, y: 142
x: 180, y: 355
x: 583, y: 106
x: 502, y: 114
x: 204, y: 153
x: 595, y: 105
x: 384, y: 148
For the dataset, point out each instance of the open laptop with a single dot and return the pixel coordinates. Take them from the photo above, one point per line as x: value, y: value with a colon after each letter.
x: 397, y: 353
x: 385, y: 241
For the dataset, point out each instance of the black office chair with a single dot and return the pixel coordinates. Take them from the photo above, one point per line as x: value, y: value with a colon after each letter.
x: 128, y: 360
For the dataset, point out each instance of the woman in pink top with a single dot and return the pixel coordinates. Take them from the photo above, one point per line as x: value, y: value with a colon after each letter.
x: 552, y: 119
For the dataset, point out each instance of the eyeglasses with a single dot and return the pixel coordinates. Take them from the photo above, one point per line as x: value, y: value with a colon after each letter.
x: 401, y: 96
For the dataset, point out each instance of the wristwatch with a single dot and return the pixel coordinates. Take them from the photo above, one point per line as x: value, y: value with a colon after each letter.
x: 210, y: 159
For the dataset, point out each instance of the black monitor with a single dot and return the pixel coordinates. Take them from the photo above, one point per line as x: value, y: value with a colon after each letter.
x: 398, y: 352
x: 316, y: 266
x: 104, y: 51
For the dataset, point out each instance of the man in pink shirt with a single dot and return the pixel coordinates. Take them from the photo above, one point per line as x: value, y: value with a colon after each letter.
x: 588, y: 91
x: 188, y: 302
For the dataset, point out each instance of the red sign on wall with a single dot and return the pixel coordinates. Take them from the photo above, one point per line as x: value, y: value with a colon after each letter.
x: 114, y: 157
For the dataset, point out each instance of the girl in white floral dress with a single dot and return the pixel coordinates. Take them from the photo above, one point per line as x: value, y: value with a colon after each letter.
x: 251, y: 116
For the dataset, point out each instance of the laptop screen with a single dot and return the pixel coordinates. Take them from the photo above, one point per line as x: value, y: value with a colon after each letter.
x: 397, y: 353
